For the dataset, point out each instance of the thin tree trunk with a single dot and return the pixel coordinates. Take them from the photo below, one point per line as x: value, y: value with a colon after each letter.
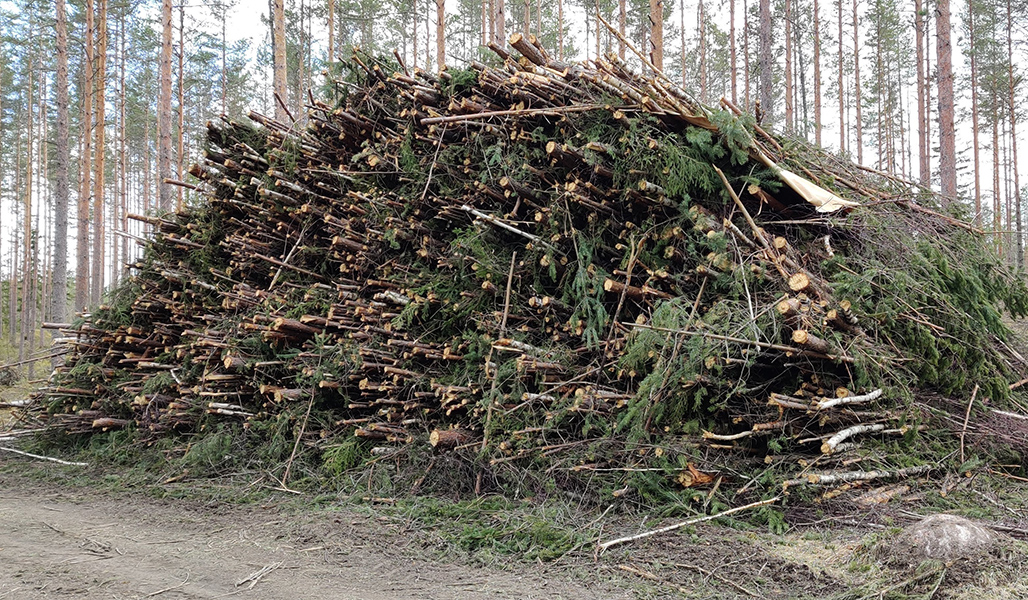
x: 100, y: 106
x: 560, y: 29
x: 701, y: 26
x: 164, y: 113
x: 1018, y: 226
x: 500, y: 31
x: 622, y: 19
x: 924, y: 169
x: 440, y: 33
x: 179, y: 155
x: 59, y: 298
x: 817, y: 74
x: 997, y: 205
x: 947, y: 134
x: 731, y: 50
x: 123, y: 154
x: 27, y: 223
x: 766, y: 55
x: 224, y: 61
x: 332, y: 32
x: 972, y: 51
x: 746, y: 52
x: 789, y: 116
x: 279, y: 70
x: 842, y: 89
x: 85, y: 171
x: 857, y: 97
x: 681, y: 20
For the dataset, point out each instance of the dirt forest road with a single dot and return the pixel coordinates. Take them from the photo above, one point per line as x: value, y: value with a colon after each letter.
x: 74, y: 543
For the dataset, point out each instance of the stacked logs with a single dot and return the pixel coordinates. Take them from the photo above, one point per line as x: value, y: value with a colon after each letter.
x: 491, y: 255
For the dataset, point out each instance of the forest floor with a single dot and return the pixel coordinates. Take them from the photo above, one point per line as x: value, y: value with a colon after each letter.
x: 104, y: 531
x: 65, y: 539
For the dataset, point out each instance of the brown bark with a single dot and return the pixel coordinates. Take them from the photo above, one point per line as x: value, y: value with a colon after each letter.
x: 181, y: 103
x: 58, y: 300
x: 924, y: 169
x: 681, y: 18
x: 279, y: 70
x: 766, y: 54
x: 789, y: 116
x: 97, y: 285
x: 499, y: 24
x: 746, y: 52
x: 817, y: 74
x: 841, y: 86
x: 440, y: 34
x: 560, y: 29
x: 974, y: 117
x: 657, y: 33
x: 85, y: 171
x: 701, y: 22
x: 622, y: 18
x: 856, y: 85
x: 27, y: 226
x: 331, y: 16
x: 123, y: 154
x: 447, y: 439
x: 164, y: 113
x: 731, y: 49
x: 947, y: 134
x: 1011, y: 82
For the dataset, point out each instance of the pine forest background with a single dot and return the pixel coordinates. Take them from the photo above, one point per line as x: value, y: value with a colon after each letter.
x: 102, y: 100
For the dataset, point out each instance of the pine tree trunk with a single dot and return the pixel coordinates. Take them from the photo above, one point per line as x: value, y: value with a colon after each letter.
x: 657, y: 33
x: 179, y: 155
x: 164, y: 113
x: 560, y: 29
x: 1012, y: 109
x: 440, y: 34
x: 279, y: 71
x: 766, y: 55
x: 622, y: 22
x: 681, y: 20
x: 500, y: 31
x: 123, y: 154
x: 731, y: 50
x: 746, y: 53
x: 841, y: 86
x: 59, y: 297
x: 27, y: 224
x: 817, y: 74
x: 924, y: 172
x: 997, y: 203
x: 85, y: 171
x: 701, y: 22
x: 972, y: 51
x: 789, y: 116
x: 331, y: 16
x: 857, y: 96
x: 100, y: 106
x: 947, y: 133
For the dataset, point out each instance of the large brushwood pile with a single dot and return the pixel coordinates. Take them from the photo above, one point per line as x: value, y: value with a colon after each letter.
x: 534, y: 257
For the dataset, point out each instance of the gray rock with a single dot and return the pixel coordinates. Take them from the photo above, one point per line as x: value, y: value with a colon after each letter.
x: 942, y: 537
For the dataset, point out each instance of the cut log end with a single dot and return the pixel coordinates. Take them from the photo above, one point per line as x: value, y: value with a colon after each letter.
x: 447, y: 439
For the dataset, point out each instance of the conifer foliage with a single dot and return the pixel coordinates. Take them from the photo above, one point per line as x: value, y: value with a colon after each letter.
x: 536, y: 257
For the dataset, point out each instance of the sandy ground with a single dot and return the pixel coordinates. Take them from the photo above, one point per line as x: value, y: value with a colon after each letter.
x: 73, y: 543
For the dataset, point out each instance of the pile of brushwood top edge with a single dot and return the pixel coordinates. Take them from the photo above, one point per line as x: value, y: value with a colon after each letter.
x: 576, y: 266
